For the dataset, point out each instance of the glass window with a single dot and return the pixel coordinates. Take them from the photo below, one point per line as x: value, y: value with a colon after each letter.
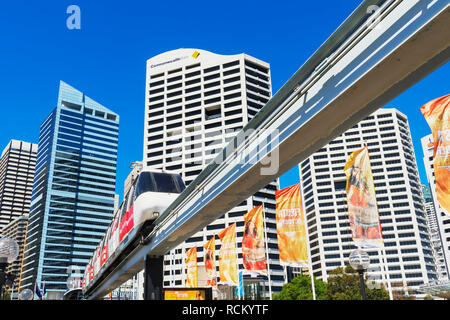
x: 165, y: 183
x: 159, y: 182
x: 145, y: 183
x: 124, y: 207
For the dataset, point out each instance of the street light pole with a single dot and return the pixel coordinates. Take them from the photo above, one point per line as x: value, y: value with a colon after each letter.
x: 360, y: 260
x: 363, y: 286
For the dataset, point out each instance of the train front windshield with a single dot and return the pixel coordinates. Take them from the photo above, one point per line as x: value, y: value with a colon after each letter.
x: 159, y: 182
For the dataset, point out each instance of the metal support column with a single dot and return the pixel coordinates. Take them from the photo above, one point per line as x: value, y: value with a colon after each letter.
x: 153, y: 277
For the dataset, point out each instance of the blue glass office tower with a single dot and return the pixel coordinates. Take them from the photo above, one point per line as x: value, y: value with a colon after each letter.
x: 73, y: 191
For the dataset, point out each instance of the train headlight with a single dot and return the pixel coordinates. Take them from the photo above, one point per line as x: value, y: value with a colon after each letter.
x: 155, y: 214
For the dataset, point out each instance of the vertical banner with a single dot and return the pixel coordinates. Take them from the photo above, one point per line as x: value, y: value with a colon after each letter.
x: 291, y: 231
x: 361, y: 200
x: 227, y: 256
x: 253, y: 246
x: 437, y: 114
x: 210, y: 262
x: 191, y: 266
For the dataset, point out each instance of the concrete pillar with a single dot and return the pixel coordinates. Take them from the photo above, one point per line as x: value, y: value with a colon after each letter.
x: 153, y: 278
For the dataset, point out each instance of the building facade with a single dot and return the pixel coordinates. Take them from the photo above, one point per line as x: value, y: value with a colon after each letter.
x: 196, y: 102
x: 429, y: 208
x: 407, y: 247
x: 73, y: 193
x: 439, y: 219
x: 17, y: 166
x: 16, y: 230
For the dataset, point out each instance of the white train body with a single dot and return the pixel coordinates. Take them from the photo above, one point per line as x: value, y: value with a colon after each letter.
x: 152, y: 192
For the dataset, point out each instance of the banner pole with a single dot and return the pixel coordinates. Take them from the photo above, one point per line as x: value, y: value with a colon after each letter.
x: 388, y: 279
x: 237, y: 269
x: 309, y: 260
x: 305, y: 223
x: 267, y: 252
x: 382, y: 267
x: 285, y: 274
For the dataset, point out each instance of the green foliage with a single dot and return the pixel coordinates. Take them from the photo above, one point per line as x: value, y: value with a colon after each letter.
x: 344, y: 284
x: 428, y: 297
x: 4, y: 294
x: 300, y: 289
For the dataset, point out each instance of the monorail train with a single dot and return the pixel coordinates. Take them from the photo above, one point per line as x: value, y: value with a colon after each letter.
x: 151, y: 193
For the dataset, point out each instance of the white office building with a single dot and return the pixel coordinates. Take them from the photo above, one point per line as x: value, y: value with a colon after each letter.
x: 408, y: 251
x: 196, y: 101
x: 439, y: 219
x: 17, y: 166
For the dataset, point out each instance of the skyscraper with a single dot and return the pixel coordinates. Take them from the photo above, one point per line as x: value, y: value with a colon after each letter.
x: 73, y: 192
x: 17, y: 166
x: 399, y: 200
x: 429, y: 208
x: 439, y: 220
x: 196, y: 102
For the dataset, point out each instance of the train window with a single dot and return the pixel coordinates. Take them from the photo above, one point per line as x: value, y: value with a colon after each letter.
x: 179, y: 181
x: 108, y: 233
x: 124, y: 207
x: 145, y: 183
x: 159, y: 182
x: 130, y: 199
x: 165, y: 183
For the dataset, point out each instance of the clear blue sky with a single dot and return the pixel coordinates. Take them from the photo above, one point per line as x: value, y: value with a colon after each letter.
x: 106, y: 58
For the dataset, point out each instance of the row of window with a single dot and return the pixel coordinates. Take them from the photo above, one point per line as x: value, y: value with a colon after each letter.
x: 87, y: 112
x: 210, y: 86
x: 195, y: 79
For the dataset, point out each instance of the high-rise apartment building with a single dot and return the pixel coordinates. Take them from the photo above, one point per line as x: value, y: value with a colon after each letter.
x: 17, y: 166
x: 73, y: 193
x: 439, y: 219
x: 429, y: 208
x: 196, y: 101
x: 408, y: 250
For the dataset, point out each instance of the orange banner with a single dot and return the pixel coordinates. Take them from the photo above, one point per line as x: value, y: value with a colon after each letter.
x: 291, y: 232
x: 191, y: 266
x: 253, y: 249
x: 437, y: 114
x: 361, y: 200
x: 210, y: 262
x: 227, y: 256
x: 184, y: 295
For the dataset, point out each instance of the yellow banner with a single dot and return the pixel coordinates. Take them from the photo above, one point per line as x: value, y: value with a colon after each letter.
x: 184, y: 295
x: 437, y: 114
x: 227, y: 256
x: 210, y: 261
x: 291, y: 232
x: 253, y: 248
x: 361, y: 200
x: 191, y: 266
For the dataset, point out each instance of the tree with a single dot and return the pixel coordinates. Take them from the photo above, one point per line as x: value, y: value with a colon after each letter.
x: 300, y: 289
x: 4, y: 294
x: 402, y: 292
x: 344, y: 284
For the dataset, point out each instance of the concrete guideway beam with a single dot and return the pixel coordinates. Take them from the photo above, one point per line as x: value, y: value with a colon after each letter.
x: 361, y: 67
